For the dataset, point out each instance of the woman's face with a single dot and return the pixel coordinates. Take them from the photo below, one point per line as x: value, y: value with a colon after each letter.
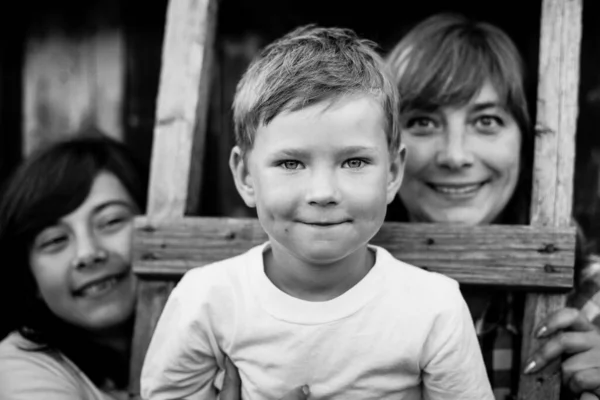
x: 462, y: 162
x: 82, y: 265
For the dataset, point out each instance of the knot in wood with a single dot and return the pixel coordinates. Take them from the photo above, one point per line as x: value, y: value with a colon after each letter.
x: 549, y: 268
x: 149, y: 256
x: 548, y: 249
x: 148, y: 228
x: 230, y: 235
x: 541, y: 130
x: 430, y: 241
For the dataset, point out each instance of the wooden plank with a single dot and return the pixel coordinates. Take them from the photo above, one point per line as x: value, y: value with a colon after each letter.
x: 558, y: 84
x: 182, y: 108
x: 152, y: 297
x: 519, y: 255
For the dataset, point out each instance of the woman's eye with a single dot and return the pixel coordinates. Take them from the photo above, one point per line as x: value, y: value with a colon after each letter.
x: 420, y: 126
x: 290, y: 164
x: 355, y: 163
x: 487, y: 122
x: 420, y: 122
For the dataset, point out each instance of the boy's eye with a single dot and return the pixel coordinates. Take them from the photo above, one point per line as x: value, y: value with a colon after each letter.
x: 291, y: 164
x: 354, y: 163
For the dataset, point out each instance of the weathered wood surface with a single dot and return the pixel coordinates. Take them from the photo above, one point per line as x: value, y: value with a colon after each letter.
x: 182, y: 108
x: 519, y: 256
x: 152, y: 297
x: 74, y: 80
x: 554, y: 164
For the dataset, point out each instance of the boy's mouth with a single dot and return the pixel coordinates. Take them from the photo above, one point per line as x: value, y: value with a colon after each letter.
x: 325, y: 224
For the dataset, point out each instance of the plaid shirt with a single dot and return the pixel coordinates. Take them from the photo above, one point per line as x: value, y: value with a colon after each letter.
x: 499, y: 335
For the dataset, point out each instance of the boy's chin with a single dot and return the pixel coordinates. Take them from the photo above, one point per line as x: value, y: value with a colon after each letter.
x: 324, y: 255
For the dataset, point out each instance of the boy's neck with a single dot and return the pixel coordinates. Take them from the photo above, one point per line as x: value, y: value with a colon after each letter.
x: 312, y: 282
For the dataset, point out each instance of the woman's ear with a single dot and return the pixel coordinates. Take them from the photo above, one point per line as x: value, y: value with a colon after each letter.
x: 241, y: 176
x: 396, y: 172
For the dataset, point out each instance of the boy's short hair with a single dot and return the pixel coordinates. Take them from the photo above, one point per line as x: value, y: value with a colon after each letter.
x: 307, y: 66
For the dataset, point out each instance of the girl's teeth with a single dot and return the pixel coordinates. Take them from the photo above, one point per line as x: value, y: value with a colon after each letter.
x: 100, y: 287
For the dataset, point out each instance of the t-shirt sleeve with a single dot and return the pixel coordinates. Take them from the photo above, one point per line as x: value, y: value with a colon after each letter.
x: 452, y: 362
x: 35, y: 376
x: 181, y: 362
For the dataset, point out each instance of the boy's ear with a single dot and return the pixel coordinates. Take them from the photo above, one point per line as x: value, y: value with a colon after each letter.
x: 241, y: 176
x: 396, y: 172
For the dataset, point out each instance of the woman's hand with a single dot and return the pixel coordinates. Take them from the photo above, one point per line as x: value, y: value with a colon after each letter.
x: 232, y: 385
x: 573, y: 336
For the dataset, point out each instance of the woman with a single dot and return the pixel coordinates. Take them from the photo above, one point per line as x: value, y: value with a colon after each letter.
x: 66, y: 219
x: 466, y: 127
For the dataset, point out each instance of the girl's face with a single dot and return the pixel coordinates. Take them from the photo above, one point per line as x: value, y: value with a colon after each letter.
x: 462, y: 162
x: 82, y: 264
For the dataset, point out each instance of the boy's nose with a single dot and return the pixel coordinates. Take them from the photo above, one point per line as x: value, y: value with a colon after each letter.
x: 323, y: 190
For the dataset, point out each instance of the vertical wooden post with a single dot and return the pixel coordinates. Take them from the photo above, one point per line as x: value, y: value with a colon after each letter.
x: 554, y: 164
x: 177, y: 149
x: 182, y: 106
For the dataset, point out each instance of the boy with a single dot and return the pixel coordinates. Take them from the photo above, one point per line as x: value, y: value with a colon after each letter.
x: 319, y: 155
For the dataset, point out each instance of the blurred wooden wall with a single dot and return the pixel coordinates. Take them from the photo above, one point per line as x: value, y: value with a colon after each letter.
x: 74, y: 72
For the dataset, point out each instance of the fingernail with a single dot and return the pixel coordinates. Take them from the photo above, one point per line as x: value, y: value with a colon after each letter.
x: 529, y: 367
x: 542, y: 331
x: 306, y: 390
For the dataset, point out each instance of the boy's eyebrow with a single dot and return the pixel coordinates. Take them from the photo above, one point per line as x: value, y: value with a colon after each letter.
x: 345, y: 151
x: 358, y: 149
x: 292, y: 153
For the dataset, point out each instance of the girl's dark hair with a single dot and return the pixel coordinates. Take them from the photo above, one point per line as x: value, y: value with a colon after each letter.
x: 52, y: 183
x: 445, y: 60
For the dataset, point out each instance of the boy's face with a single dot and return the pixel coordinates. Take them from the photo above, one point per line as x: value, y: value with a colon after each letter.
x: 321, y: 178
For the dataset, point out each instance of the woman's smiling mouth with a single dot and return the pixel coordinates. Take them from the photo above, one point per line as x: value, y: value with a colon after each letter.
x: 456, y: 189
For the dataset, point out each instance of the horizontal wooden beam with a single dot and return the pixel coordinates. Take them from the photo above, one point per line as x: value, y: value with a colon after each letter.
x: 498, y: 255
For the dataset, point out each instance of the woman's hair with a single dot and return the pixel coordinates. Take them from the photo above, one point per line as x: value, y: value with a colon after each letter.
x: 445, y: 60
x: 52, y: 183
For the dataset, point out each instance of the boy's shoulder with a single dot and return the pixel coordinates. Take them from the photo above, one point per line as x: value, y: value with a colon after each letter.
x: 227, y: 272
x: 418, y: 279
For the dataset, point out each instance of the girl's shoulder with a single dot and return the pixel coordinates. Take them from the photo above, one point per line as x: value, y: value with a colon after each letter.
x: 28, y: 372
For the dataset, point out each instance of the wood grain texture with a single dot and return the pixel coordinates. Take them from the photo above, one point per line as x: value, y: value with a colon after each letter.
x: 152, y: 297
x: 553, y: 167
x: 519, y: 256
x: 182, y: 108
x: 74, y: 81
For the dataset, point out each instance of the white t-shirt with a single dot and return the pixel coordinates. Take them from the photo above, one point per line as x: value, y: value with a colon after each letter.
x: 400, y: 333
x: 42, y: 375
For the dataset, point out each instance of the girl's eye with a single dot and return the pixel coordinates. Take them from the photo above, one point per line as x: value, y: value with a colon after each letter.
x: 355, y: 163
x: 113, y: 223
x: 52, y: 244
x: 290, y: 164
